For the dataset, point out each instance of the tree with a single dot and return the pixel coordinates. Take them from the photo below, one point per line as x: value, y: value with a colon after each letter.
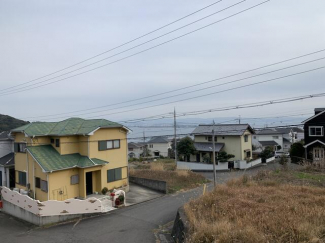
x: 297, y: 152
x: 224, y: 157
x: 266, y: 153
x: 185, y: 147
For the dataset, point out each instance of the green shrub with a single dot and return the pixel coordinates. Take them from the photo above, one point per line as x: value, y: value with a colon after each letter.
x: 104, y: 190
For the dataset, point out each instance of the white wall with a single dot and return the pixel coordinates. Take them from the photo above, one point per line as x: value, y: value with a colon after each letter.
x: 201, y: 166
x: 136, y: 151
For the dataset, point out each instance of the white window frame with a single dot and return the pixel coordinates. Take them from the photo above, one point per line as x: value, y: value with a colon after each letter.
x: 315, y: 127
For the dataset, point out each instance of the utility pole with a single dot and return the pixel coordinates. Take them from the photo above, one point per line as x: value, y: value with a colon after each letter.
x: 239, y: 119
x: 144, y: 145
x: 175, y: 136
x: 214, y: 156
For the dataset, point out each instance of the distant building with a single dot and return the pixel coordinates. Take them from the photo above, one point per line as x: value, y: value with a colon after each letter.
x: 280, y: 139
x: 159, y: 146
x: 7, y: 160
x: 234, y: 139
x: 135, y: 150
x: 314, y: 136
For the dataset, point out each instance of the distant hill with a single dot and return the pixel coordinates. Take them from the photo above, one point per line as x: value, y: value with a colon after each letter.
x: 8, y: 123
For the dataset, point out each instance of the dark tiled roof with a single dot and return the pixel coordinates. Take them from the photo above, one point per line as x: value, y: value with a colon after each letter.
x: 159, y: 140
x: 5, y: 136
x: 268, y: 143
x: 285, y: 140
x: 50, y: 160
x: 71, y: 126
x: 207, y: 147
x: 226, y: 129
x: 7, y: 160
x: 267, y: 132
x: 135, y: 145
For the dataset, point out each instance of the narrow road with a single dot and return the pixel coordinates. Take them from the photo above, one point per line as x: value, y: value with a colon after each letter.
x: 131, y: 224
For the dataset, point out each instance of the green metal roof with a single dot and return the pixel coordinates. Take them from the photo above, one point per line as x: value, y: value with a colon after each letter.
x: 71, y: 126
x: 50, y: 160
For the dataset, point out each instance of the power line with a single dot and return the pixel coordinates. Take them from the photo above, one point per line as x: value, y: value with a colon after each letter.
x: 116, y: 47
x: 235, y: 107
x: 217, y: 92
x: 137, y: 53
x: 206, y: 88
x: 186, y: 87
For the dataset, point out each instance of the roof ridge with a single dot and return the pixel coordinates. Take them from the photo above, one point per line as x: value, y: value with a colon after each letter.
x: 83, y: 121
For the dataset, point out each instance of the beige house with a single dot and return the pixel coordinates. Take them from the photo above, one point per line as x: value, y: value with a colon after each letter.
x: 70, y: 159
x: 235, y: 139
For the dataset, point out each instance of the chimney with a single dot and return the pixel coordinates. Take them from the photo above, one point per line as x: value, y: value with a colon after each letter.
x: 319, y: 110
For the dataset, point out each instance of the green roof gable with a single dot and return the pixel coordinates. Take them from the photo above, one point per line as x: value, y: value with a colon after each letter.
x: 71, y: 126
x: 50, y: 160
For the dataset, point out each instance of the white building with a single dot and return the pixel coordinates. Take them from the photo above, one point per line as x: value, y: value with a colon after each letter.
x: 159, y: 146
x: 135, y: 149
x: 7, y: 160
x: 280, y: 139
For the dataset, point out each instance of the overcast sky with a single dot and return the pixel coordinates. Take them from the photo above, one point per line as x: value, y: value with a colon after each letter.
x: 41, y: 37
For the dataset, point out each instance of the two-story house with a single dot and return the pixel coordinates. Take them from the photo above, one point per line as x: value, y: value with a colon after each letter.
x: 314, y: 136
x: 135, y: 150
x: 159, y: 146
x: 70, y: 159
x: 280, y: 139
x: 235, y: 139
x: 7, y: 160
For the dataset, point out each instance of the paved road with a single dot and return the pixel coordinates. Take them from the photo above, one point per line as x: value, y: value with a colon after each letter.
x: 131, y: 224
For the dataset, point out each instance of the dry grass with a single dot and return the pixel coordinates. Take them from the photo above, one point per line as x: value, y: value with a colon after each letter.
x: 259, y: 209
x: 176, y: 180
x: 157, y: 166
x: 168, y: 164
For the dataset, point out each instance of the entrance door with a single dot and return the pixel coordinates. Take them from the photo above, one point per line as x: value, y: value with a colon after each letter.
x: 1, y: 178
x: 89, y: 183
x: 12, y: 178
x: 319, y: 153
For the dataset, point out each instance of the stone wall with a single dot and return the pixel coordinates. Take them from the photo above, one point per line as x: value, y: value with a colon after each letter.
x: 180, y: 228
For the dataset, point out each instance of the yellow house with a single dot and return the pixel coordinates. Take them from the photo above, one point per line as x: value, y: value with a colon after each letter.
x: 235, y: 139
x: 70, y: 159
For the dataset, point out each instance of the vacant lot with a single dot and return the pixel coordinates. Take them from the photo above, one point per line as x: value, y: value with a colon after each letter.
x: 176, y: 179
x: 278, y: 206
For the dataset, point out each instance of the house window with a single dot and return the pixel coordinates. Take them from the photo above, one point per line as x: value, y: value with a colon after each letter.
x: 20, y: 147
x: 248, y: 154
x: 130, y: 149
x: 108, y: 144
x: 316, y: 131
x: 275, y: 137
x: 74, y: 179
x: 210, y: 139
x: 246, y: 138
x: 150, y: 145
x: 37, y: 182
x: 254, y: 137
x: 114, y: 175
x: 296, y: 136
x: 22, y: 178
x: 44, y: 186
x: 223, y: 137
x: 52, y: 140
x: 57, y: 142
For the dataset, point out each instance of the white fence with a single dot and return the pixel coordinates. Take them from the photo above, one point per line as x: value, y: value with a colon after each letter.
x: 51, y: 208
x: 201, y: 166
x: 242, y: 164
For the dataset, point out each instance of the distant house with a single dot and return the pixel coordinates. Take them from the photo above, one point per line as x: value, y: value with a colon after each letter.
x: 159, y: 146
x: 234, y: 139
x: 7, y: 160
x: 135, y: 149
x: 280, y: 139
x: 314, y: 135
x: 71, y: 158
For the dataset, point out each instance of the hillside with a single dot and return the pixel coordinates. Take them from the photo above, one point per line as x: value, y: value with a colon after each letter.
x: 7, y: 123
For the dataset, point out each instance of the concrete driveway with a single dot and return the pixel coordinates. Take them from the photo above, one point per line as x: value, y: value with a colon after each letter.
x: 139, y: 194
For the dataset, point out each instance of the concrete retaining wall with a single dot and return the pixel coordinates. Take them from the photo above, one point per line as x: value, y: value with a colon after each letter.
x: 20, y: 213
x: 180, y: 228
x: 243, y: 165
x: 156, y: 185
x: 221, y: 166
